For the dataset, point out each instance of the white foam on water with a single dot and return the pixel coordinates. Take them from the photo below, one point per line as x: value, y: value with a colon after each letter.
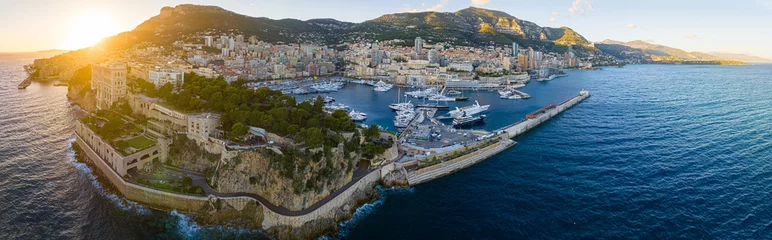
x: 122, y: 203
x: 367, y: 209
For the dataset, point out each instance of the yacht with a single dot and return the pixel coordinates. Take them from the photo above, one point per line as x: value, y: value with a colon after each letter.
x: 328, y: 99
x: 441, y: 98
x: 468, y: 110
x: 454, y: 92
x: 401, y: 105
x: 468, y: 121
x: 357, y: 116
x: 514, y: 96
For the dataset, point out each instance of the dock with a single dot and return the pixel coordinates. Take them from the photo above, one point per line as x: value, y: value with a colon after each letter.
x: 521, y: 93
x: 493, y: 143
x: 24, y: 84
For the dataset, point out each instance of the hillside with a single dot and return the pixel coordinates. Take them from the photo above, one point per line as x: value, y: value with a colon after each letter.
x: 644, y: 52
x: 470, y: 26
x: 741, y: 57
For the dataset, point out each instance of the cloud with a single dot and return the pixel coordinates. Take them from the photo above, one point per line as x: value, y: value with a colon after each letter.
x: 650, y: 40
x: 552, y: 20
x: 433, y: 8
x: 631, y: 25
x: 580, y: 6
x: 555, y: 14
x: 480, y: 2
x: 690, y: 36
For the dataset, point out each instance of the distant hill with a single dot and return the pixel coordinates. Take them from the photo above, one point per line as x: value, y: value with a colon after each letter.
x: 741, y: 57
x: 470, y: 26
x: 645, y: 52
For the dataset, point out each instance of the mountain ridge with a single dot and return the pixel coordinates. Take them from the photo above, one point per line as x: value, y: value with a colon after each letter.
x: 470, y: 26
x: 642, y: 52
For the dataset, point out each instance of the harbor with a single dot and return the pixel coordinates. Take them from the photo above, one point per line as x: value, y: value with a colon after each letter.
x: 485, y: 146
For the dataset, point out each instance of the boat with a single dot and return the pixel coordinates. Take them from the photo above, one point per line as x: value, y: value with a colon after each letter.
x: 468, y: 121
x: 505, y: 93
x: 331, y: 107
x: 462, y: 98
x: 357, y: 116
x: 328, y: 99
x: 299, y: 91
x: 547, y: 78
x: 422, y: 93
x: 468, y: 111
x: 515, y: 96
x: 401, y: 105
x: 441, y: 98
x: 453, y: 93
x: 382, y: 86
x: 432, y: 105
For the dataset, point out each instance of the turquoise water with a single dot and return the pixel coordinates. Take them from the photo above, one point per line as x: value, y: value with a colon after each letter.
x: 656, y: 152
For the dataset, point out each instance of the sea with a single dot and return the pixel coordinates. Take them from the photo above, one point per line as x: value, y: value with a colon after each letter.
x: 657, y: 152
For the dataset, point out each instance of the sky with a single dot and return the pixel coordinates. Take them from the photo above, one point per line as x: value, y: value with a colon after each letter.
x: 739, y: 26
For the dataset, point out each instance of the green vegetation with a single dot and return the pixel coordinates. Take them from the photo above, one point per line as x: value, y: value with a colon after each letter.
x: 138, y: 143
x: 178, y: 187
x: 264, y: 108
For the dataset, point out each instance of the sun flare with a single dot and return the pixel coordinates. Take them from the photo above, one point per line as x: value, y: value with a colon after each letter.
x: 89, y: 28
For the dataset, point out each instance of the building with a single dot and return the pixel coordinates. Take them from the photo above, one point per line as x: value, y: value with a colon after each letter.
x: 162, y: 76
x: 119, y: 160
x: 434, y: 56
x: 109, y: 81
x: 419, y: 45
x: 515, y: 49
x: 208, y: 41
x: 203, y: 130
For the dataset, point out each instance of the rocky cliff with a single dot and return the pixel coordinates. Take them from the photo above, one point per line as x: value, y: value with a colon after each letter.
x: 289, y: 178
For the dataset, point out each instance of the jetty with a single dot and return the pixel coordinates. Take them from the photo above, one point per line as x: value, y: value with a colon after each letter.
x: 487, y: 145
x: 521, y: 93
x: 24, y: 84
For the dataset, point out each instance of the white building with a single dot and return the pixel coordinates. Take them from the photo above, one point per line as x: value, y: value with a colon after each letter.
x: 419, y: 45
x: 162, y: 76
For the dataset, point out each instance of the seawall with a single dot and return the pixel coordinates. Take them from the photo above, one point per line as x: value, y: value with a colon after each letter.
x: 306, y: 225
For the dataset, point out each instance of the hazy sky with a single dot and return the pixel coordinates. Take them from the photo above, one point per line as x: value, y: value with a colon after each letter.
x: 740, y: 26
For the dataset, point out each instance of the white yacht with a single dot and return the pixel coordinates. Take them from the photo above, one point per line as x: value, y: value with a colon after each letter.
x: 468, y: 110
x: 441, y: 98
x: 357, y: 116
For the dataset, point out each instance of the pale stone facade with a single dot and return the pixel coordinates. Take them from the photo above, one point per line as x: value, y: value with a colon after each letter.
x: 109, y: 81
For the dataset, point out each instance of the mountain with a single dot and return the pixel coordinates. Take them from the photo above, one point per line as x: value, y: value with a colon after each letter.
x: 741, y: 57
x: 644, y: 52
x: 470, y: 26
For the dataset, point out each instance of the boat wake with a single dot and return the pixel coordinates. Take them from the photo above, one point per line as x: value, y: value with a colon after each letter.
x: 120, y: 202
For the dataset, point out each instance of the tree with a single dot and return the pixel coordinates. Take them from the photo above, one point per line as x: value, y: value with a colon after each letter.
x: 372, y: 132
x: 187, y: 181
x: 239, y: 130
x: 313, y: 138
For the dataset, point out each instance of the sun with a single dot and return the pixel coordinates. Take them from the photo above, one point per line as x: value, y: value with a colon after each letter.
x: 89, y: 28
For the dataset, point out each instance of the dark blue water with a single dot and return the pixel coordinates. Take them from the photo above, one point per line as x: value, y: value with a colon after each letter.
x: 656, y: 152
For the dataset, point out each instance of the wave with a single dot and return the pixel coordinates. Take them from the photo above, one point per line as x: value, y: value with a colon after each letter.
x: 122, y: 203
x: 345, y: 227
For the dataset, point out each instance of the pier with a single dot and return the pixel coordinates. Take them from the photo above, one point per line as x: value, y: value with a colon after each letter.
x: 24, y: 84
x: 522, y: 94
x: 491, y: 144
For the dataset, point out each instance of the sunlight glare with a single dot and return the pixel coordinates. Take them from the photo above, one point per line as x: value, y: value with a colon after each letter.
x: 89, y: 28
